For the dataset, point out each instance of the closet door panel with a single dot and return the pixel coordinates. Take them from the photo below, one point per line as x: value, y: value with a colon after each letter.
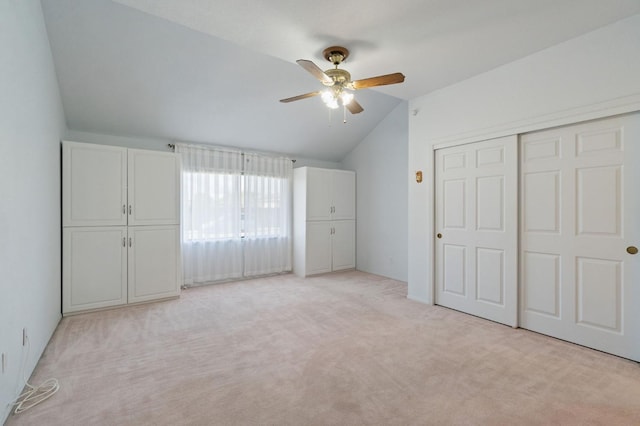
x: 453, y: 269
x: 476, y: 229
x: 542, y: 273
x: 579, y: 215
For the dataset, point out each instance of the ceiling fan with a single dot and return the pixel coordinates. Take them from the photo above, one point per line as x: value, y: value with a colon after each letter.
x: 338, y: 81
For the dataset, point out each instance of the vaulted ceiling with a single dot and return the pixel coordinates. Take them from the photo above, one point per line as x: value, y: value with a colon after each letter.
x: 213, y: 71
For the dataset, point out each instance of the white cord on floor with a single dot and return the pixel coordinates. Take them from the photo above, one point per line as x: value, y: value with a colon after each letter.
x: 34, y: 395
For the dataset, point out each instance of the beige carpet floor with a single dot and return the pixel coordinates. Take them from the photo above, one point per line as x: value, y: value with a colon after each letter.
x: 340, y: 349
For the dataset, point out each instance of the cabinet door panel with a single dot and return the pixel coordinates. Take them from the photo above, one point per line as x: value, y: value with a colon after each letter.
x: 94, y: 180
x: 343, y: 195
x: 153, y: 188
x: 344, y: 245
x: 318, y: 247
x: 94, y: 268
x: 154, y: 265
x: 318, y: 194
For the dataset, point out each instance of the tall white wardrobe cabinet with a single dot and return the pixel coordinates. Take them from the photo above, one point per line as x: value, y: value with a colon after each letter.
x: 324, y: 220
x: 120, y: 218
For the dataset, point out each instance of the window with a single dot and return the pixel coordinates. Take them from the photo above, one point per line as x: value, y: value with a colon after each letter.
x: 208, y: 200
x: 215, y: 192
x: 236, y: 214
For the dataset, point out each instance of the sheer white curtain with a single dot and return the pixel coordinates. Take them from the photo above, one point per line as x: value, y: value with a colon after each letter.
x: 211, y: 214
x: 267, y: 214
x: 236, y: 214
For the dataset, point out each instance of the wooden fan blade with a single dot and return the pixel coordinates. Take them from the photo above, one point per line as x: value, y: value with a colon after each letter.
x: 381, y: 80
x: 315, y: 71
x: 297, y: 98
x: 354, y: 107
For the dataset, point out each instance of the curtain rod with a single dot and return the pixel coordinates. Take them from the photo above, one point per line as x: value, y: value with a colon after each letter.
x: 173, y: 146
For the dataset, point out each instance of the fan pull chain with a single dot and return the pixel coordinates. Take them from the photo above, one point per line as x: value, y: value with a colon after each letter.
x: 344, y: 114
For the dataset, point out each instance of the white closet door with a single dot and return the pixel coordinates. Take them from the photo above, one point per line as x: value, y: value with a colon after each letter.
x: 476, y: 227
x: 579, y: 213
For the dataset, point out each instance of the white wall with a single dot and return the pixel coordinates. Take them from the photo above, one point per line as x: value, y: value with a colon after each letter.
x: 591, y: 76
x: 380, y: 162
x: 31, y: 126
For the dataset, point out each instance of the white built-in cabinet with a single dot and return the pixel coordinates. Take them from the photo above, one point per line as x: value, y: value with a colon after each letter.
x: 324, y: 220
x: 120, y: 217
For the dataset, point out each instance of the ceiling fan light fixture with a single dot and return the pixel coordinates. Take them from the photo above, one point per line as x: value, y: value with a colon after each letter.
x: 330, y: 99
x: 346, y: 98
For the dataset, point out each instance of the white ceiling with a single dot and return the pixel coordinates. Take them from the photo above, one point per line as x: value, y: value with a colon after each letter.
x: 213, y: 71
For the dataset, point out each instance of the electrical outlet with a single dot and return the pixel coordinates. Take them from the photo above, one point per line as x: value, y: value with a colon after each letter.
x: 24, y: 336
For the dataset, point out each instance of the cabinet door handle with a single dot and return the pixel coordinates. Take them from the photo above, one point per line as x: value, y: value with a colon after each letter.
x: 129, y: 241
x: 124, y: 241
x: 129, y: 208
x: 124, y: 209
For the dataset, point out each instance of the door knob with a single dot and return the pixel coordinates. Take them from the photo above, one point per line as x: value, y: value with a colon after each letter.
x: 439, y: 235
x: 632, y: 250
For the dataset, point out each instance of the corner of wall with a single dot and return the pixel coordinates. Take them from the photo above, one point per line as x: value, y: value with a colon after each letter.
x: 380, y: 163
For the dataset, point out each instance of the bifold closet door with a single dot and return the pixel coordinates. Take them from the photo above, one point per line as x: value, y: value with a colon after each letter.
x: 580, y: 219
x: 476, y: 246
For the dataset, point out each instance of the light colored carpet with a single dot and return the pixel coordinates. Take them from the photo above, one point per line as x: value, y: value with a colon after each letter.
x: 339, y: 349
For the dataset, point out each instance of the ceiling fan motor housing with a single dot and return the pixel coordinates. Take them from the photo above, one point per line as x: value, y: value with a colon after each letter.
x: 340, y: 77
x: 335, y: 55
